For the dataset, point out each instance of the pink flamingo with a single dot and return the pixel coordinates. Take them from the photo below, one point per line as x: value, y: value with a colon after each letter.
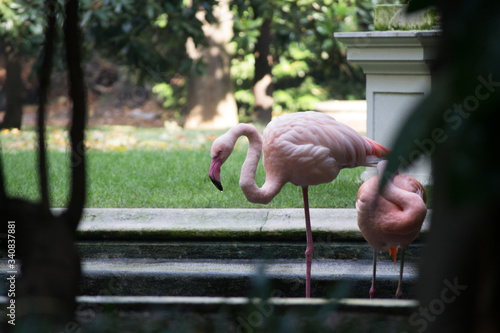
x: 305, y: 148
x: 391, y: 219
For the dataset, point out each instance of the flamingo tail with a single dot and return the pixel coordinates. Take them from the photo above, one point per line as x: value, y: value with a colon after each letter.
x: 377, y: 153
x: 393, y: 251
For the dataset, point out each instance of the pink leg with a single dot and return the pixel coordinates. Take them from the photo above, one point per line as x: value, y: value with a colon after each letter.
x: 372, y: 288
x: 399, y: 291
x: 309, y: 247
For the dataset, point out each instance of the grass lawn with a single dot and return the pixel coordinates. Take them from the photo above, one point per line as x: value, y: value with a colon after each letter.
x: 163, y: 178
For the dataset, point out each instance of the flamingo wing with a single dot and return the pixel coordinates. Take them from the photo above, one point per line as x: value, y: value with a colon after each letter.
x: 311, y: 147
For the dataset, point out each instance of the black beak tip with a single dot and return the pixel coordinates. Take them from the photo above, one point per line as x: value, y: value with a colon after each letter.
x: 217, y: 184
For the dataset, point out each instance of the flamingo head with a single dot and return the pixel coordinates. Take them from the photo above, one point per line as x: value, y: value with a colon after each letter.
x: 221, y: 149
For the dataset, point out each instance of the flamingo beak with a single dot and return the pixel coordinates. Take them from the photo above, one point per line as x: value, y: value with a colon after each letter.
x: 214, y: 172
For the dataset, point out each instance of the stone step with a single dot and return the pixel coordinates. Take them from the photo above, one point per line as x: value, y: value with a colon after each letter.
x: 220, y: 224
x: 192, y: 270
x: 238, y: 314
x: 230, y: 278
x: 157, y: 249
x: 223, y: 234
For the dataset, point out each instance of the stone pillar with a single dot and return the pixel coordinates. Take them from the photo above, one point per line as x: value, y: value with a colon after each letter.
x: 396, y: 64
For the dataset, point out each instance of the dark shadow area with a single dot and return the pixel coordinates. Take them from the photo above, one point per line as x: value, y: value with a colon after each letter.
x: 44, y: 262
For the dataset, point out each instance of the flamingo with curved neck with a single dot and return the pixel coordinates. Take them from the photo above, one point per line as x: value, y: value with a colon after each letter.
x: 391, y: 219
x: 304, y: 148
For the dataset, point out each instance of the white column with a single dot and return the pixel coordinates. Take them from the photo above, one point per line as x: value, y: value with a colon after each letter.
x: 396, y: 64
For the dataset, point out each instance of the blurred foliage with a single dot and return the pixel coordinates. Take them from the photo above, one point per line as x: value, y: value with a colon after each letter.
x: 21, y: 25
x: 173, y: 95
x: 147, y: 39
x: 300, y: 98
x: 146, y: 36
x: 305, y: 56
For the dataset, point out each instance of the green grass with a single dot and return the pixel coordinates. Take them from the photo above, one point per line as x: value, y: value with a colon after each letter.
x: 162, y: 178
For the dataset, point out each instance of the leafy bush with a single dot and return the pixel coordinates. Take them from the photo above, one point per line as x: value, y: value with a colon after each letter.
x: 301, y: 98
x: 309, y: 65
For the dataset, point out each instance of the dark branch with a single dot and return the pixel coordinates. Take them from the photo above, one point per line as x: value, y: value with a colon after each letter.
x: 78, y: 95
x: 45, y: 72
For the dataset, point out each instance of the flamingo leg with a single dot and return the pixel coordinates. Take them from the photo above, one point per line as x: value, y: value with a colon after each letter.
x: 372, y: 288
x: 309, y: 247
x: 399, y: 292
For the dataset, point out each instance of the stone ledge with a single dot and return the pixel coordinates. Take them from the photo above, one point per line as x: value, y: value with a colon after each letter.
x: 321, y: 268
x: 232, y: 278
x: 324, y: 248
x: 379, y: 50
x: 227, y: 224
x: 346, y: 304
x: 239, y: 314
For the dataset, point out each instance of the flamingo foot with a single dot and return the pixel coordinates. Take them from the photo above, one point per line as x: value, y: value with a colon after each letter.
x: 373, y: 291
x: 393, y: 251
x: 399, y: 293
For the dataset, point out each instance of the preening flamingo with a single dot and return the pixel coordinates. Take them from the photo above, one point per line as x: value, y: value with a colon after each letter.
x: 391, y: 219
x: 304, y: 148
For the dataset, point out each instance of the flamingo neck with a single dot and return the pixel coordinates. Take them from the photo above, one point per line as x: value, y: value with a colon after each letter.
x: 391, y: 192
x: 394, y: 194
x: 409, y: 202
x: 248, y: 185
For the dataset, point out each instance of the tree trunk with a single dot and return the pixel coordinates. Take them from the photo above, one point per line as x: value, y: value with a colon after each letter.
x: 262, y: 85
x: 211, y: 102
x: 13, y: 89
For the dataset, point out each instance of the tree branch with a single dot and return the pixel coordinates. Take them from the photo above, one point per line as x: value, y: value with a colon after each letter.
x: 78, y: 95
x: 45, y: 72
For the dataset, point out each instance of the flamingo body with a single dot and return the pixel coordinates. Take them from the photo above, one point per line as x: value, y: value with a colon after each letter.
x: 311, y: 148
x: 304, y: 148
x: 391, y: 219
